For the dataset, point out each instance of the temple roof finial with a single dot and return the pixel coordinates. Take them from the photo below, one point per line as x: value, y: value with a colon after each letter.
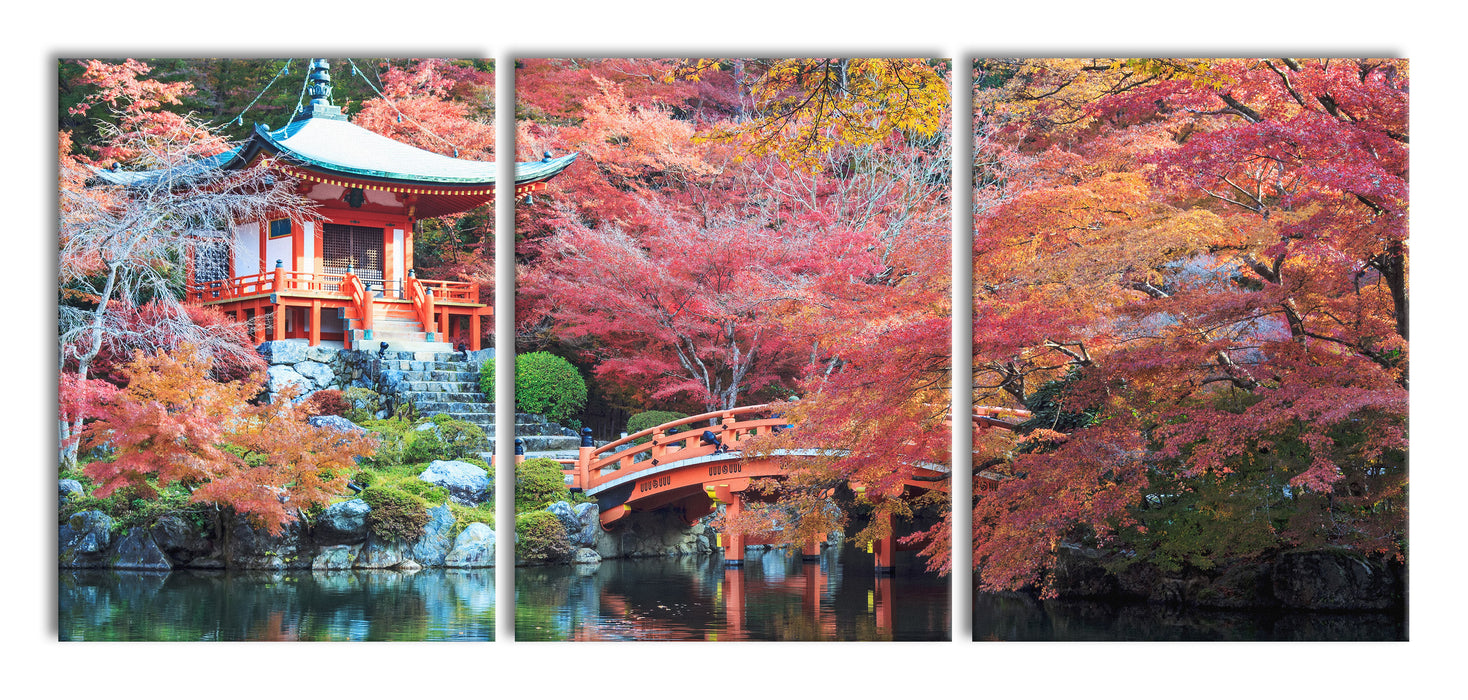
x: 320, y: 106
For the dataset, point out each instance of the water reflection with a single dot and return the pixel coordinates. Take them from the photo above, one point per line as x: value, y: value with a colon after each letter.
x: 286, y: 606
x: 1018, y: 617
x: 775, y: 596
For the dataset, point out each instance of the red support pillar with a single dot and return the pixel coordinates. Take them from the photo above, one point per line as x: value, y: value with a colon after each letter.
x: 733, y: 542
x: 474, y: 342
x: 315, y: 322
x: 278, y: 315
x: 258, y: 322
x: 812, y: 550
x: 885, y: 549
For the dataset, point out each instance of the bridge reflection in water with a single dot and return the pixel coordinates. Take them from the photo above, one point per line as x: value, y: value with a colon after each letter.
x: 774, y: 596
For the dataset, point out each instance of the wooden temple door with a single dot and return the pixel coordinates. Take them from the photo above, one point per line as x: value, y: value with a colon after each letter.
x: 358, y: 247
x: 211, y: 267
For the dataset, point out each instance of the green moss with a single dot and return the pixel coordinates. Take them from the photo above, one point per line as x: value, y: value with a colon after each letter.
x: 396, y: 515
x: 541, y: 537
x: 464, y: 515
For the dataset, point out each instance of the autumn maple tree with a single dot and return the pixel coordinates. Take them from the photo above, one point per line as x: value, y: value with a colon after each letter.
x: 173, y: 424
x: 1194, y: 272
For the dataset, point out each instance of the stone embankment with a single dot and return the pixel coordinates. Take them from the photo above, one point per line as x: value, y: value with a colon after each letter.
x: 1311, y: 579
x: 340, y: 537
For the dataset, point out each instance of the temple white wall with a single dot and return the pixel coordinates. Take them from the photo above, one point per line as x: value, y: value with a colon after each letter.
x: 246, y: 249
x: 277, y: 249
x: 308, y: 261
x: 399, y: 255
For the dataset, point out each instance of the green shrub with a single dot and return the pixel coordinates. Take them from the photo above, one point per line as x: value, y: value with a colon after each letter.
x: 538, y: 483
x: 464, y: 515
x: 544, y: 384
x: 648, y: 419
x: 460, y: 438
x: 362, y: 404
x: 540, y: 536
x: 395, y: 515
x: 423, y: 446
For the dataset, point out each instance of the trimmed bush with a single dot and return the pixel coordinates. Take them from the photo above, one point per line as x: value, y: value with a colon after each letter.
x: 649, y: 419
x: 544, y: 384
x: 362, y: 404
x: 538, y: 483
x: 327, y: 402
x: 395, y: 515
x: 540, y: 536
x: 460, y: 438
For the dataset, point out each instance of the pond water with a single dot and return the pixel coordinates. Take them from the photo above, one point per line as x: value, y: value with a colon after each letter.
x: 1019, y: 617
x: 428, y: 605
x: 774, y: 596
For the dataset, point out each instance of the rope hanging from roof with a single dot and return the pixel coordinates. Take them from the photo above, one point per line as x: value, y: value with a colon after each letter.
x: 286, y: 69
x: 401, y: 116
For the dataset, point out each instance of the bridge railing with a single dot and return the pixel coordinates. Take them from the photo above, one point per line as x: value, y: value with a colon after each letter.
x: 675, y: 441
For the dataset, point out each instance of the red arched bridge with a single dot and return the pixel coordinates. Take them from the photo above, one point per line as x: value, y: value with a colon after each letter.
x: 693, y: 464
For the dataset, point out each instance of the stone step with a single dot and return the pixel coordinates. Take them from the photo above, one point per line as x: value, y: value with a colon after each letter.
x: 453, y: 408
x: 424, y: 365
x: 436, y: 375
x: 441, y: 387
x: 420, y: 397
x: 545, y: 443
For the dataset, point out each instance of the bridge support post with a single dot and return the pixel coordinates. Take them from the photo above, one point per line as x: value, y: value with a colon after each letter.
x: 885, y: 549
x: 734, y: 603
x: 882, y: 603
x: 734, y: 542
x: 812, y: 550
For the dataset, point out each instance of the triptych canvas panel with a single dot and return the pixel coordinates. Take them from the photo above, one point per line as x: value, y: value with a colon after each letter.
x: 734, y: 299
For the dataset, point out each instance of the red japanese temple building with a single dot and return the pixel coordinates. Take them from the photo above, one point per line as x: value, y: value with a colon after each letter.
x: 348, y: 275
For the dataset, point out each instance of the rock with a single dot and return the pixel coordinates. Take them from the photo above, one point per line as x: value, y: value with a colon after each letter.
x: 282, y: 352
x: 249, y: 547
x: 382, y: 554
x: 336, y: 557
x: 474, y: 548
x: 479, y: 357
x: 433, y: 546
x: 137, y: 550
x: 467, y: 484
x: 562, y: 511
x: 588, y: 527
x: 585, y: 555
x: 1333, y: 580
x: 278, y: 377
x: 68, y: 489
x: 316, y: 372
x: 84, y: 539
x: 336, y: 423
x: 408, y: 565
x: 343, y: 523
x: 180, y: 541
x: 321, y: 353
x: 1079, y: 574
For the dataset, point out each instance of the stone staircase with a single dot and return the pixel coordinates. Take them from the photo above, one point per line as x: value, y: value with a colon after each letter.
x: 439, y: 382
x: 396, y: 323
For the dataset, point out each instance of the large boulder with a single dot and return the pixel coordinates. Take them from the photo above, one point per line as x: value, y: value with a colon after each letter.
x: 580, y: 521
x: 432, y: 548
x: 321, y: 353
x: 278, y: 377
x: 180, y: 540
x: 467, y: 484
x: 137, y: 550
x: 283, y: 352
x: 383, y: 554
x: 1334, y: 580
x: 337, y: 557
x: 473, y: 548
x: 84, y: 539
x: 68, y: 489
x: 319, y: 373
x: 250, y: 547
x: 342, y: 523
